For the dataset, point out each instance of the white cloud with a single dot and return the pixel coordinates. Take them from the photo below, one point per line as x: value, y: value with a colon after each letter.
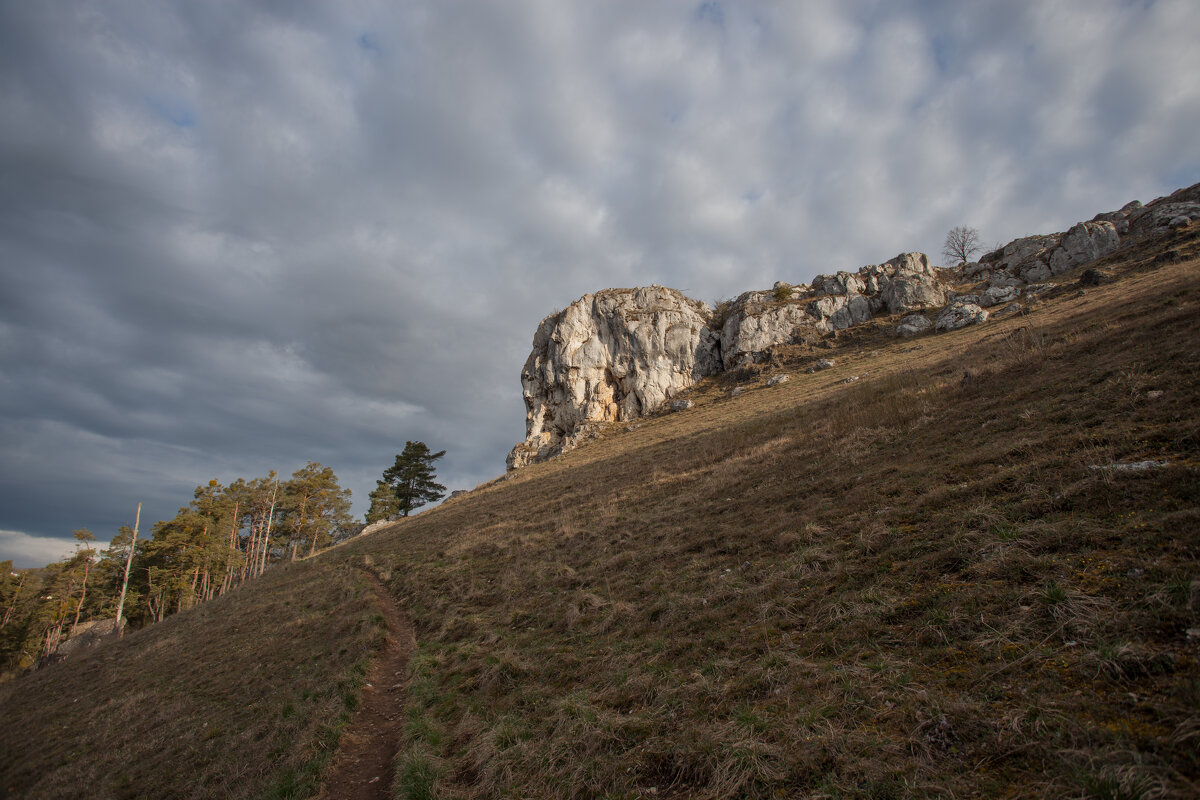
x: 33, y: 551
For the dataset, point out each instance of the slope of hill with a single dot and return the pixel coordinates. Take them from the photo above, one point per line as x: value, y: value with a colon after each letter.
x: 971, y: 571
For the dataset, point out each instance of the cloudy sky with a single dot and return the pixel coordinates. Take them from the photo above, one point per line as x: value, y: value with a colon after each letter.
x: 237, y: 236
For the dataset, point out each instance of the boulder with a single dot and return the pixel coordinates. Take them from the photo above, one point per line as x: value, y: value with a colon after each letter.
x: 913, y: 324
x: 1085, y: 242
x: 87, y: 635
x: 996, y: 295
x: 910, y: 291
x: 775, y: 380
x: 681, y: 405
x: 1036, y: 271
x: 959, y: 314
x: 1020, y: 254
x: 612, y: 356
x: 753, y: 327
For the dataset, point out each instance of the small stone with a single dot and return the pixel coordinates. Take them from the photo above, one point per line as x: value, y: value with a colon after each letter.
x: 851, y: 379
x: 736, y: 391
x: 681, y: 405
x: 1154, y: 394
x: 1007, y: 311
x: 825, y: 363
x: 1130, y: 466
x: 775, y: 380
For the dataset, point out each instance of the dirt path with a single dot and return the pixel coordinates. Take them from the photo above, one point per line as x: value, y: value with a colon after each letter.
x: 363, y: 765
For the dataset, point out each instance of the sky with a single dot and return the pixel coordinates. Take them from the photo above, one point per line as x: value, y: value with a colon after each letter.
x: 239, y: 236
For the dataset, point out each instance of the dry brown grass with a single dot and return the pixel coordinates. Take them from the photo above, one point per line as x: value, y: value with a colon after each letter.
x: 242, y: 697
x: 905, y: 586
x: 902, y: 586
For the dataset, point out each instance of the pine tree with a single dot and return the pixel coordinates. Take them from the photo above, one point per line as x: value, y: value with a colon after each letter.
x: 384, y: 505
x: 314, y: 505
x: 412, y: 477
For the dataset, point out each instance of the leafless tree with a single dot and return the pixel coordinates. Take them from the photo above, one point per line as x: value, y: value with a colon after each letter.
x: 961, y: 243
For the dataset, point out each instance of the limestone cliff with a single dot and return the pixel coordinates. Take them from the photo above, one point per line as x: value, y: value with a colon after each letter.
x: 609, y: 357
x: 620, y: 354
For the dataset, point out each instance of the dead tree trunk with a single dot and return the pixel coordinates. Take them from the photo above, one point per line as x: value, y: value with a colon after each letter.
x: 128, y: 563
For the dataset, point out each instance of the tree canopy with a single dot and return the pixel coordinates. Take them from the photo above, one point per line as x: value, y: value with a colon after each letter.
x: 225, y: 536
x: 411, y: 479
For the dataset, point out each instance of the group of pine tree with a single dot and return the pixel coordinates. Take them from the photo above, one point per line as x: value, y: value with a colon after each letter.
x: 224, y: 537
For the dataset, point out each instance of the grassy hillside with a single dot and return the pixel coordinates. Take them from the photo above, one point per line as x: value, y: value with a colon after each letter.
x: 242, y: 697
x: 935, y: 580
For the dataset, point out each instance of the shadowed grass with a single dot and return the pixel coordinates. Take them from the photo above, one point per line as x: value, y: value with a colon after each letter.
x: 242, y: 697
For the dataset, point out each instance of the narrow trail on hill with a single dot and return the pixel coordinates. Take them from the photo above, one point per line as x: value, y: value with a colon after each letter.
x: 363, y: 765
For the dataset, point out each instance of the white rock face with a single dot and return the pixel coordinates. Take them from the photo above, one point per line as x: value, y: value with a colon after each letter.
x: 834, y: 302
x: 612, y: 356
x: 752, y: 327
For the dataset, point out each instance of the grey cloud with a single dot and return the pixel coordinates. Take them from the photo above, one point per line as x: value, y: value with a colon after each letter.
x: 236, y: 237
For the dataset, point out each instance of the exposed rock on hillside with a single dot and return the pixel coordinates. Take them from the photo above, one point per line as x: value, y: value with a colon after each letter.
x: 623, y: 353
x: 609, y: 357
x: 758, y: 320
x: 959, y: 314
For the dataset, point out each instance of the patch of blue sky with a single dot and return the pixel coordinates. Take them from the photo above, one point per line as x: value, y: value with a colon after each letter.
x: 752, y: 195
x: 944, y: 51
x: 710, y: 11
x: 176, y: 112
x: 368, y: 42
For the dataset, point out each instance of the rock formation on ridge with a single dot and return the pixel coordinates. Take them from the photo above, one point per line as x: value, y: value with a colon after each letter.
x: 620, y: 354
x: 609, y: 357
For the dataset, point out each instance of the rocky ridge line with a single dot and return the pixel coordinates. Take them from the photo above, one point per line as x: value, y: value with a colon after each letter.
x: 620, y: 354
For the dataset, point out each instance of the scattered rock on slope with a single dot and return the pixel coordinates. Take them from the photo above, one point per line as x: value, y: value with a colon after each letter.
x: 913, y: 324
x: 959, y: 314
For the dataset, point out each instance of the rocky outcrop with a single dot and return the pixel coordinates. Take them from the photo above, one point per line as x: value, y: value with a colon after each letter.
x: 753, y: 325
x: 620, y: 354
x: 612, y: 356
x: 757, y: 321
x: 1178, y: 209
x: 1083, y: 244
